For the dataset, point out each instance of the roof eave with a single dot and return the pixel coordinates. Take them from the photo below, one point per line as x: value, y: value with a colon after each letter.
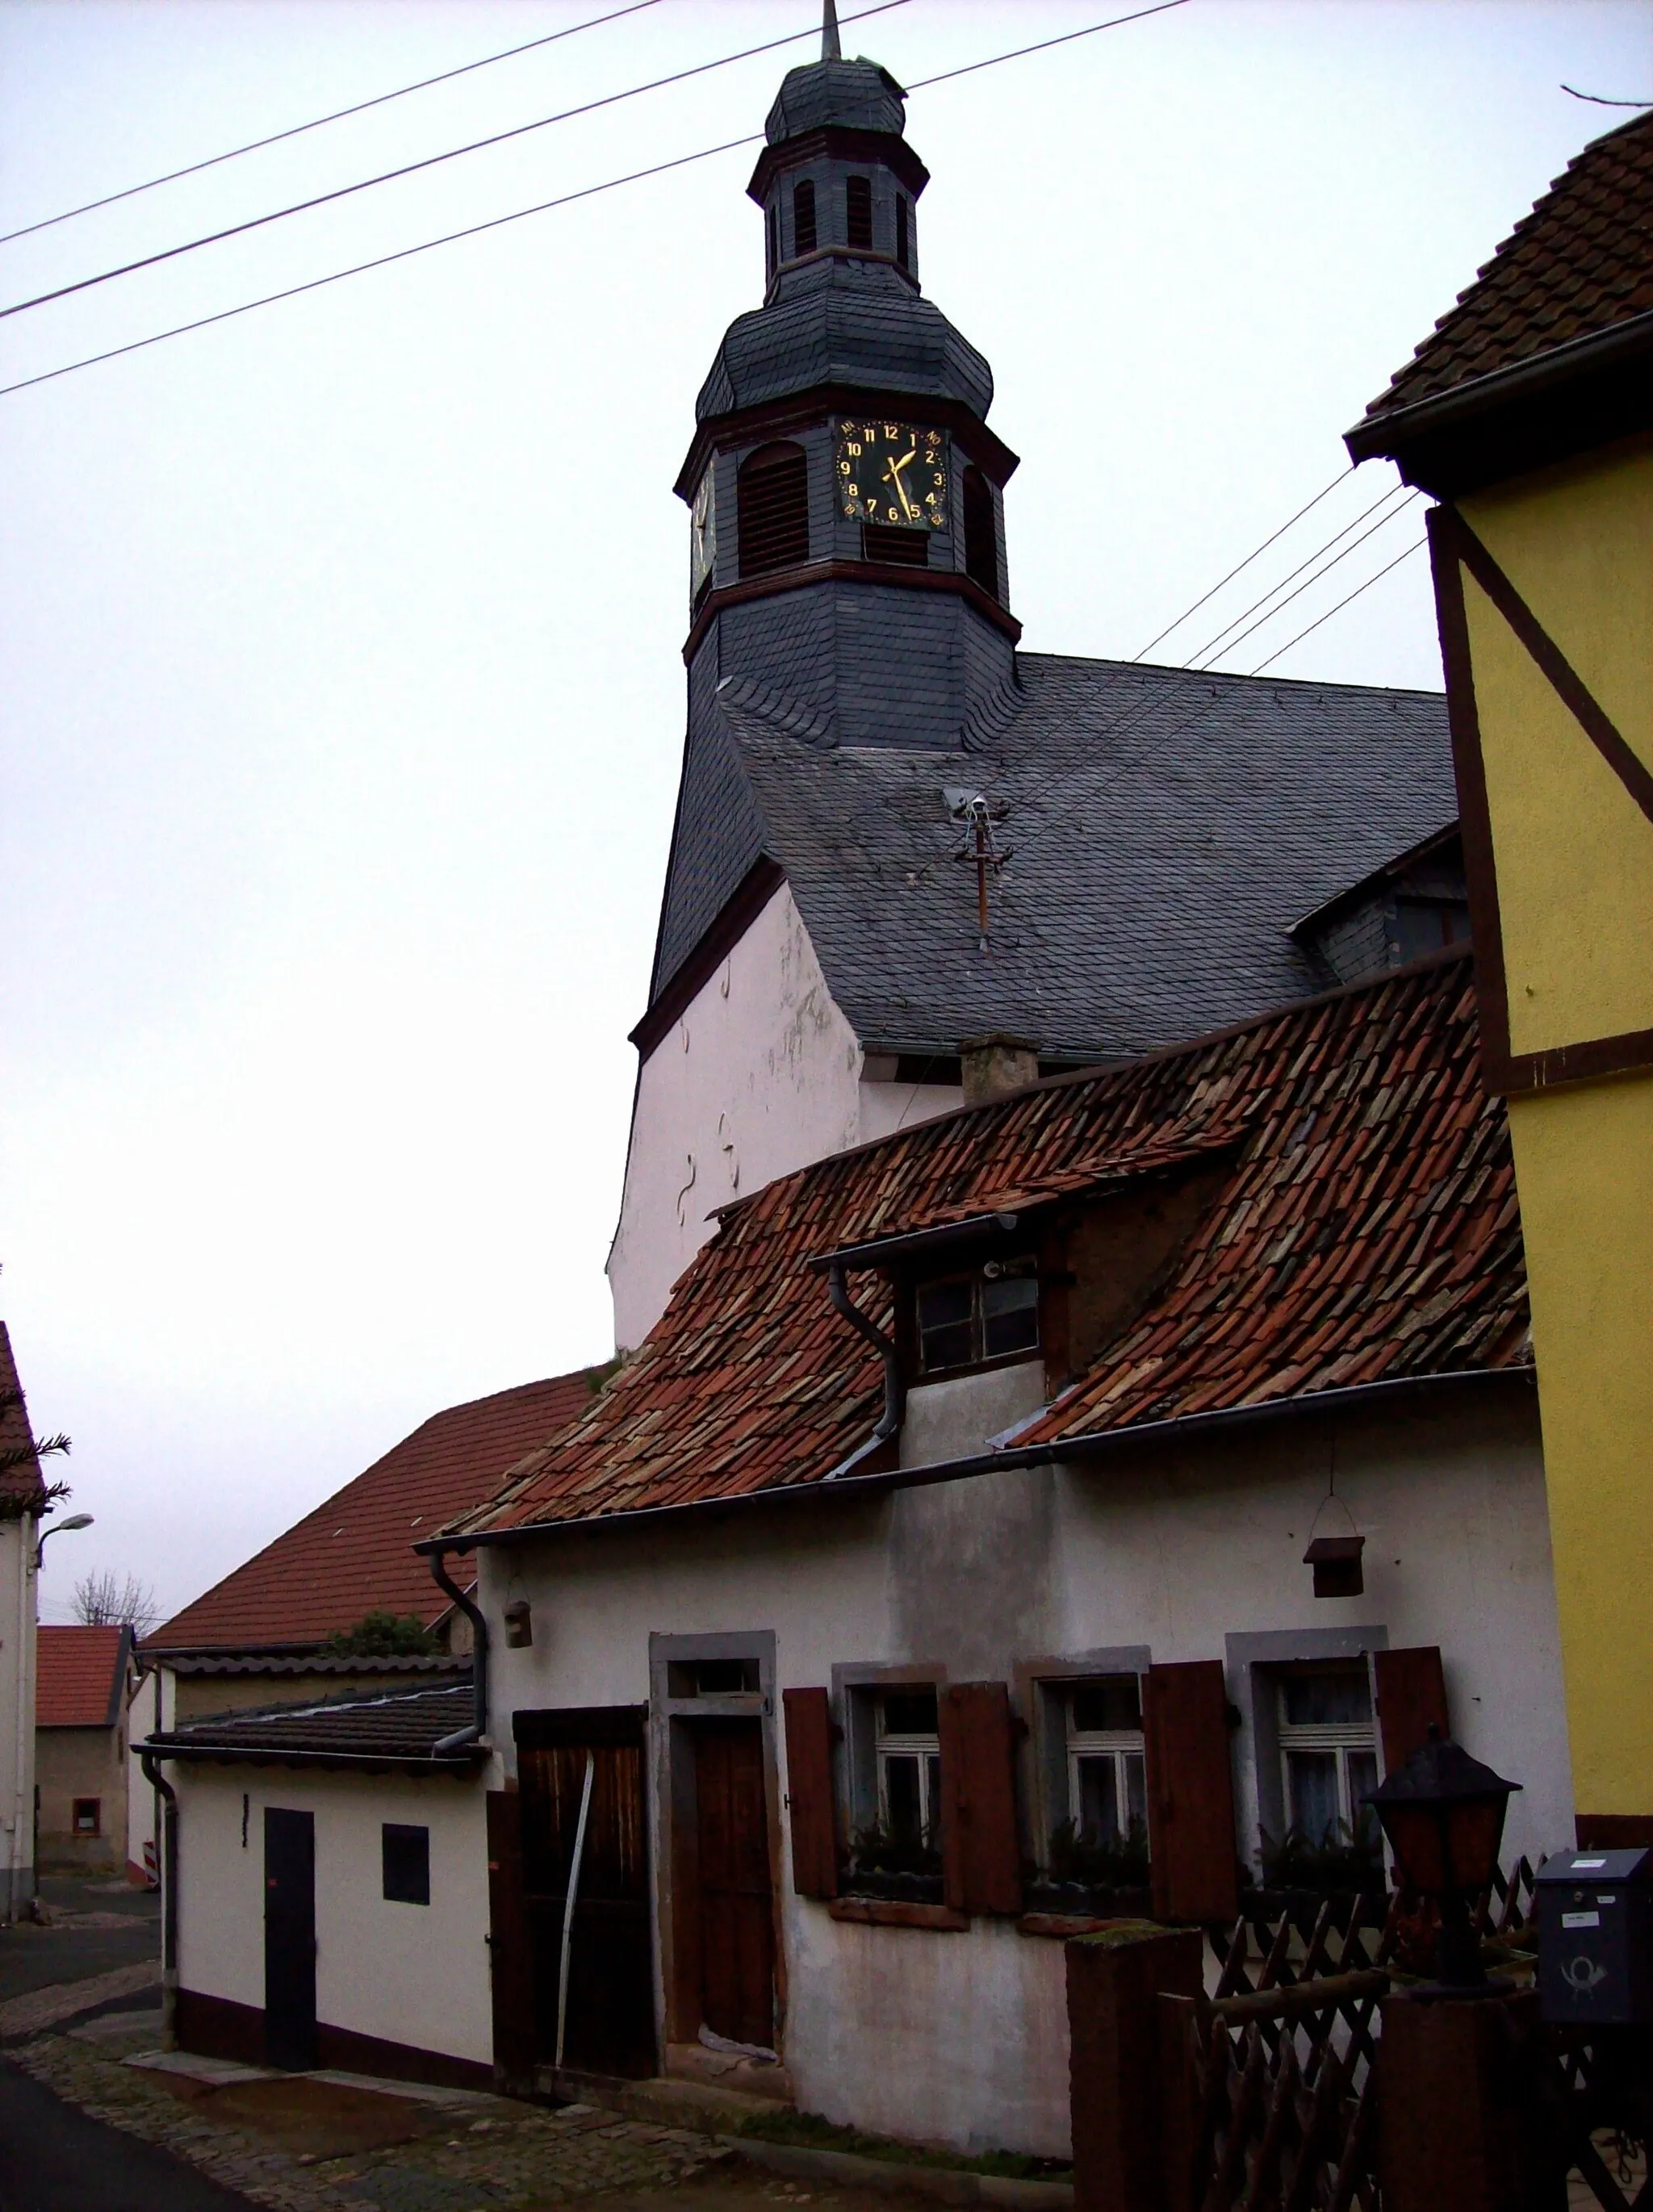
x: 461, y: 1763
x: 1092, y: 1444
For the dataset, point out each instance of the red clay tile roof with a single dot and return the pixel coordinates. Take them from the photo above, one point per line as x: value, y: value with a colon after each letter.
x: 353, y: 1555
x: 23, y: 1485
x: 82, y: 1674
x: 1367, y: 1231
x: 1580, y: 262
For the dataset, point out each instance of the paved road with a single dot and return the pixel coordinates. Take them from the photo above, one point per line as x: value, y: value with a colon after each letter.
x: 33, y: 1958
x: 54, y: 2159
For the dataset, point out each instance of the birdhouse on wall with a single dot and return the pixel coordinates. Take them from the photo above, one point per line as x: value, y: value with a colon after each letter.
x: 1336, y: 1563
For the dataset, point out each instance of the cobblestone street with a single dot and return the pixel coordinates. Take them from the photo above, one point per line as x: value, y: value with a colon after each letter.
x: 472, y: 2155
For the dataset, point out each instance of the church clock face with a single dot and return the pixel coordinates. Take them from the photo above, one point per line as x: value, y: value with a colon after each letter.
x: 892, y: 473
x: 702, y: 535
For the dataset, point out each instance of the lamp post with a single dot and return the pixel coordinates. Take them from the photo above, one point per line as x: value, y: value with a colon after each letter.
x: 1442, y: 1813
x: 75, y: 1521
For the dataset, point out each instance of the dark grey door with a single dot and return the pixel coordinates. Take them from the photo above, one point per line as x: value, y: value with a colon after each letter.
x: 289, y: 1939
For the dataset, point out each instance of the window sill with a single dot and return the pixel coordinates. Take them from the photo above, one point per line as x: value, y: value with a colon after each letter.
x: 1062, y: 1925
x: 897, y: 1913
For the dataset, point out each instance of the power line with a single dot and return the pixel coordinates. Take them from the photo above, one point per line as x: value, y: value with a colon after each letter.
x: 428, y: 162
x: 1324, y: 492
x: 496, y: 222
x: 1375, y: 579
x: 1325, y: 570
x: 338, y: 115
x: 1198, y: 655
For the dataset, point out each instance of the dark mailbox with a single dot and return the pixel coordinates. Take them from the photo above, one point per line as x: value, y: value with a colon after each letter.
x: 1596, y: 1936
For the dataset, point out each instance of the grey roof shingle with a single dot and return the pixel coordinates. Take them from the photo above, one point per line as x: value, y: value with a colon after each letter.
x: 1167, y: 829
x: 836, y: 321
x: 394, y: 1727
x: 854, y: 95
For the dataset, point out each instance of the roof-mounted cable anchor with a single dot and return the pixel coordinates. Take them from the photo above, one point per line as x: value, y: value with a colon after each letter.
x: 981, y: 849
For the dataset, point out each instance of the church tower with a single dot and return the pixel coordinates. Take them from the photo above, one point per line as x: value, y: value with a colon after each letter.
x: 847, y: 536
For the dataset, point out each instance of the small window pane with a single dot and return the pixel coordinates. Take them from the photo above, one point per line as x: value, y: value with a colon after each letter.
x: 946, y: 1326
x: 1009, y: 1316
x: 88, y: 1812
x: 1136, y: 1791
x: 1362, y: 1780
x: 1339, y: 1699
x: 1099, y: 1705
x: 724, y: 1678
x: 406, y: 1864
x: 1313, y: 1776
x: 933, y: 1800
x: 909, y: 1712
x: 1098, y: 1801
x: 901, y: 1788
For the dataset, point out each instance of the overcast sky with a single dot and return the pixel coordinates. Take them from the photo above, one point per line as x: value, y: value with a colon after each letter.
x: 344, y: 699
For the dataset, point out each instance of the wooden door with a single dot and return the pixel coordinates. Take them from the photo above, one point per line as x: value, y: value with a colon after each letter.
x: 609, y: 2028
x: 289, y: 1939
x: 736, y: 1903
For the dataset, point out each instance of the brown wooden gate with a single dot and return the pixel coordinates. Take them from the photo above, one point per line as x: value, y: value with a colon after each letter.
x: 609, y: 2026
x: 736, y: 1903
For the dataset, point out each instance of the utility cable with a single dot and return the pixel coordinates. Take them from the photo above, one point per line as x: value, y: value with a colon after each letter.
x: 1376, y: 578
x: 428, y: 161
x: 338, y: 115
x: 1196, y: 659
x: 1323, y: 493
x: 1324, y: 569
x: 496, y: 222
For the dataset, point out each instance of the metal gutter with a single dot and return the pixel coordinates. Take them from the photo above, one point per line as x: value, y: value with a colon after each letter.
x: 477, y: 1729
x: 1097, y: 1445
x: 1384, y: 434
x: 168, y: 1870
x: 883, y: 1251
x: 196, y: 1754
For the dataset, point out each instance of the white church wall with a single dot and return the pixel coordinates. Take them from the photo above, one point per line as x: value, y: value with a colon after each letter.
x: 1186, y: 1552
x: 760, y: 1074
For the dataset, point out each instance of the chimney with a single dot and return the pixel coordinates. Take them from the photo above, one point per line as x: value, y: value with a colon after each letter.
x: 991, y: 1065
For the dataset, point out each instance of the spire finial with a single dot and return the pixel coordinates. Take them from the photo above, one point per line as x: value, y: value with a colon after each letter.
x: 831, y: 50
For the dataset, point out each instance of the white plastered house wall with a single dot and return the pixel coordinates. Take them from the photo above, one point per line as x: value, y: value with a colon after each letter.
x: 760, y: 1074
x: 1166, y: 1549
x: 18, y: 1539
x: 408, y: 1974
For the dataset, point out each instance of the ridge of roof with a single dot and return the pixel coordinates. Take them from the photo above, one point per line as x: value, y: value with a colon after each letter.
x: 353, y: 1553
x: 1365, y: 1231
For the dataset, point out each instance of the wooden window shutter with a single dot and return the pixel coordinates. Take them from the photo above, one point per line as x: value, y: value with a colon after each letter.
x: 1411, y: 1687
x: 1191, y: 1841
x: 981, y: 1849
x: 809, y: 1792
x: 510, y: 1962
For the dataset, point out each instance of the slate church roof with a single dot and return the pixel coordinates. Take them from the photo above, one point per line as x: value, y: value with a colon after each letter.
x: 1167, y: 829
x: 1366, y: 1231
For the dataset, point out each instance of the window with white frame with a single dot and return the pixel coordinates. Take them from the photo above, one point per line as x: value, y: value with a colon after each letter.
x: 1328, y: 1754
x: 1099, y: 1831
x: 907, y: 1748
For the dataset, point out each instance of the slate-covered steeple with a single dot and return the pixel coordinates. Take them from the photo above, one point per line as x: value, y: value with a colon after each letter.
x: 847, y: 546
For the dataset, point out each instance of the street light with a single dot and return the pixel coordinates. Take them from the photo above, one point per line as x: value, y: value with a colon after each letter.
x: 75, y: 1521
x: 1442, y: 1813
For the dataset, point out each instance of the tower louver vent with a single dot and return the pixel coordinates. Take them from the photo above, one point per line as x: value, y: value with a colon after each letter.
x: 857, y: 206
x: 802, y: 218
x: 981, y: 540
x: 772, y: 509
x: 903, y: 250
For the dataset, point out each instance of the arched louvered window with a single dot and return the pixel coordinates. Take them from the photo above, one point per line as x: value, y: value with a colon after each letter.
x: 773, y: 231
x: 772, y: 509
x: 903, y: 244
x: 802, y: 218
x: 981, y: 540
x: 858, y: 204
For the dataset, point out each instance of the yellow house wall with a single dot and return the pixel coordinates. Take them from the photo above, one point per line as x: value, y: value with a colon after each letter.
x: 1574, y: 858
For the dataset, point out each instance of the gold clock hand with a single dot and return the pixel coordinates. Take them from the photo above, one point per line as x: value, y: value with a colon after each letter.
x: 893, y: 471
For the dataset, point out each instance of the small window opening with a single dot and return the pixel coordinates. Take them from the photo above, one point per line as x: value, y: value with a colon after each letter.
x: 1101, y: 1837
x: 991, y: 1314
x: 981, y: 537
x: 772, y: 228
x: 772, y: 509
x: 907, y: 1742
x: 1329, y: 1761
x: 406, y: 1853
x: 88, y: 1816
x: 903, y: 250
x: 858, y: 208
x: 897, y: 547
x: 712, y: 1678
x: 1424, y: 925
x: 802, y: 218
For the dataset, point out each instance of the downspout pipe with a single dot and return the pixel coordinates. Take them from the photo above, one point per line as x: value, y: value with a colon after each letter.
x: 168, y: 1799
x: 895, y: 1390
x: 478, y: 1728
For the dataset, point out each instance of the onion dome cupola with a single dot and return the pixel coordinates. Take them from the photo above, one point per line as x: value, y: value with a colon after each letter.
x: 847, y: 538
